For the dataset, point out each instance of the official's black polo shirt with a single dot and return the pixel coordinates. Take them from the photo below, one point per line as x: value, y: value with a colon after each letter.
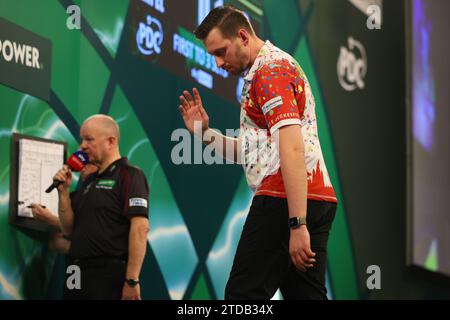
x: 102, y: 210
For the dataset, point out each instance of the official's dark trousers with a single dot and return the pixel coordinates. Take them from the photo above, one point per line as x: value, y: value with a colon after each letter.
x: 101, y: 279
x: 262, y: 263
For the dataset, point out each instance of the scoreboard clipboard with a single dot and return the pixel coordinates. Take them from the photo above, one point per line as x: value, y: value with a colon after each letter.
x: 34, y: 161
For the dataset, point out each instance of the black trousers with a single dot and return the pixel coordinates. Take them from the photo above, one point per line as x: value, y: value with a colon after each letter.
x: 262, y: 263
x: 101, y: 279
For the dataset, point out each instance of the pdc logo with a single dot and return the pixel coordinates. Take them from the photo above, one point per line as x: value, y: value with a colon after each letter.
x: 19, y: 53
x: 149, y: 36
x: 352, y: 65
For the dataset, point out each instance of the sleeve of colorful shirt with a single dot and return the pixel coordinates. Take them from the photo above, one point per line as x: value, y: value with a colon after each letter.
x: 279, y: 93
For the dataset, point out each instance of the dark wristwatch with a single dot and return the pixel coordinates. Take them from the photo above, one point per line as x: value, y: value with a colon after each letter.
x: 296, y: 222
x: 132, y: 282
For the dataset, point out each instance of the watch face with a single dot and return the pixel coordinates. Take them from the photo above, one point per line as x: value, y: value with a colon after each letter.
x: 296, y: 222
x: 132, y: 282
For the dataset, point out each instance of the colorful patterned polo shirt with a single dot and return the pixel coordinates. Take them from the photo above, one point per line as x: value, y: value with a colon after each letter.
x: 277, y: 93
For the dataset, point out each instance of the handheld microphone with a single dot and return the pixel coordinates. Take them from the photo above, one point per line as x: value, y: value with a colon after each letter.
x: 76, y: 162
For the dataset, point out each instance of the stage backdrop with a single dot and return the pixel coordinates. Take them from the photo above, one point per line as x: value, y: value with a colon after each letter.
x: 132, y: 59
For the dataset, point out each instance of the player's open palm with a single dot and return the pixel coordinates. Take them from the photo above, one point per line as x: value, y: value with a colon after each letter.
x: 192, y: 110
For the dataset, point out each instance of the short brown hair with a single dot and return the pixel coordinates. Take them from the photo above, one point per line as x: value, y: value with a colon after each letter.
x: 227, y: 19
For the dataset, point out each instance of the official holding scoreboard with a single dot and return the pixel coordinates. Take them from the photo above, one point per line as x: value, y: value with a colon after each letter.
x: 107, y: 218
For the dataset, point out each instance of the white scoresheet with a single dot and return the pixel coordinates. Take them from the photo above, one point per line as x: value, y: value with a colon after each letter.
x: 38, y: 163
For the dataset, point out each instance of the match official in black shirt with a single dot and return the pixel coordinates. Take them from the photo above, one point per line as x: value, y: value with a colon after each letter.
x: 107, y: 218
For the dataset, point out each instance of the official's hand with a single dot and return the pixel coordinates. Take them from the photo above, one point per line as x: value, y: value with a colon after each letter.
x: 64, y: 175
x: 44, y: 215
x: 131, y: 293
x: 192, y: 110
x: 300, y: 248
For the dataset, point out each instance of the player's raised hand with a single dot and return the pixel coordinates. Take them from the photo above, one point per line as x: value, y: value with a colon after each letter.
x: 192, y: 110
